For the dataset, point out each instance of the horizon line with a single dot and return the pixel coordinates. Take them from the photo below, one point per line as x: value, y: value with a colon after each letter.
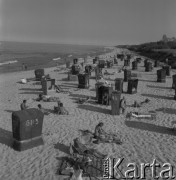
x: 62, y: 43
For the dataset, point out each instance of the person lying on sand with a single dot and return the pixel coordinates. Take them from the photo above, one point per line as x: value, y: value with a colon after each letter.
x: 47, y: 98
x: 86, y: 149
x: 136, y: 104
x: 140, y: 115
x: 23, y: 105
x: 82, y: 100
x: 107, y: 73
x: 103, y: 136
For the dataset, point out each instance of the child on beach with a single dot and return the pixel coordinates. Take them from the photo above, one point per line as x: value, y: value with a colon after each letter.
x: 63, y: 111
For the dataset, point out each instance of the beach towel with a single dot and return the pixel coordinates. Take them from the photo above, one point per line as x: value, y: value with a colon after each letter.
x: 23, y: 81
x: 137, y: 115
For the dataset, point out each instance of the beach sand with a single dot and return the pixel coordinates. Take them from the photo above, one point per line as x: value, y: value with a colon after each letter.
x: 143, y: 139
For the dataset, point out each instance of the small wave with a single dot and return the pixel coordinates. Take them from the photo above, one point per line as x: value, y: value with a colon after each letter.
x: 55, y: 59
x: 8, y: 62
x: 70, y: 55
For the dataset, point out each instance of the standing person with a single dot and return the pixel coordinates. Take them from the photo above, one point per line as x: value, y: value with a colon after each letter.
x: 23, y: 66
x: 23, y: 105
x: 105, y: 99
x: 123, y: 104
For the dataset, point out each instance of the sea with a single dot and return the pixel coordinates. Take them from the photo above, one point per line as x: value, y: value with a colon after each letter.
x: 14, y: 56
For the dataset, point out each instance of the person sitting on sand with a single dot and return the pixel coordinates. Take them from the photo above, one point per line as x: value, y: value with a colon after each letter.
x: 57, y: 108
x: 63, y: 111
x: 23, y: 106
x: 40, y: 108
x: 40, y: 98
x: 99, y: 132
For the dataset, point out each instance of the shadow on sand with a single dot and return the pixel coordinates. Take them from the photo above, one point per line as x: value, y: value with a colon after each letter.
x: 146, y: 80
x: 94, y: 108
x: 167, y: 110
x: 62, y: 147
x: 9, y: 111
x: 159, y: 87
x: 6, y: 137
x: 30, y: 89
x: 150, y: 127
x: 156, y: 96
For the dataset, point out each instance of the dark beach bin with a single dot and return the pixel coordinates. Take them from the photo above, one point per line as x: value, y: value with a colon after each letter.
x: 167, y: 68
x: 115, y: 103
x: 127, y: 75
x: 125, y: 62
x: 47, y: 84
x: 101, y: 91
x: 39, y: 73
x: 97, y: 85
x: 173, y: 81
x: 75, y: 69
x: 134, y: 65
x: 156, y: 63
x: 148, y: 67
x: 101, y: 64
x: 128, y: 56
x: 94, y: 61
x: 83, y: 80
x: 145, y: 62
x: 132, y: 86
x: 88, y: 69
x: 161, y: 75
x: 115, y: 61
x: 119, y: 84
x: 75, y: 61
x: 175, y: 94
x: 27, y: 129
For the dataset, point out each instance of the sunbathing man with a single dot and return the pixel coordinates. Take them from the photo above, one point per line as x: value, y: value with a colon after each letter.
x: 83, y: 147
x: 23, y: 105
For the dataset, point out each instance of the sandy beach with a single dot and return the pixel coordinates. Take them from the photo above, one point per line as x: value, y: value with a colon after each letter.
x: 143, y: 139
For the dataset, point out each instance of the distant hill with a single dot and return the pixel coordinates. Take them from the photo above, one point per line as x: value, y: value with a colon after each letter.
x: 160, y: 50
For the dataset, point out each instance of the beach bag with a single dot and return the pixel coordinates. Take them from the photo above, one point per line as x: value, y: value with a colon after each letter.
x: 23, y: 81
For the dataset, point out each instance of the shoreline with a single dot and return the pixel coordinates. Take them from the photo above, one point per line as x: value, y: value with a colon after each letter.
x: 54, y: 63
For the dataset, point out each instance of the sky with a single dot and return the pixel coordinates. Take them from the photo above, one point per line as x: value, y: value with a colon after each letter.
x: 99, y: 22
